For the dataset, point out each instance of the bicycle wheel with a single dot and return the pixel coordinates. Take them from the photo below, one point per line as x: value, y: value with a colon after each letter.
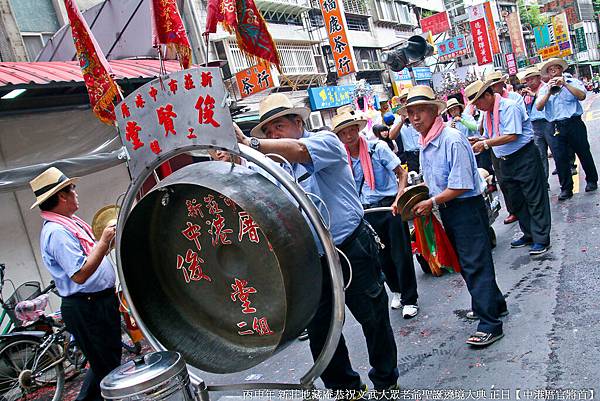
x: 26, y: 371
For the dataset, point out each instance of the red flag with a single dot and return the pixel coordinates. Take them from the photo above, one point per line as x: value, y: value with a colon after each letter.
x: 168, y: 29
x: 96, y: 71
x: 242, y: 18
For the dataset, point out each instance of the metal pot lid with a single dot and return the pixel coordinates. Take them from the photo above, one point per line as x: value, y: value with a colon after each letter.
x: 142, y: 374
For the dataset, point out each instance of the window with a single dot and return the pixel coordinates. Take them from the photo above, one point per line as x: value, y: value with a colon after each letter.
x: 372, y: 77
x: 296, y: 58
x: 34, y: 43
x: 357, y: 23
x: 316, y: 18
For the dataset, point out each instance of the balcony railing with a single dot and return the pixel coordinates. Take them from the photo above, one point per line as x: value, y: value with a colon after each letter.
x: 356, y: 7
x: 296, y: 58
x: 367, y: 65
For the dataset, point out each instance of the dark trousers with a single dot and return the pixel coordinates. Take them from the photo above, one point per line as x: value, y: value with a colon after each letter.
x: 396, y: 258
x: 484, y: 160
x: 96, y: 324
x: 526, y: 187
x: 466, y: 224
x: 367, y: 300
x: 544, y: 138
x: 496, y: 163
x: 573, y: 133
x: 411, y: 158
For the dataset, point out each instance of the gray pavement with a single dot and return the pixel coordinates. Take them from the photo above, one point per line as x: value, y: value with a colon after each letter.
x: 552, y: 334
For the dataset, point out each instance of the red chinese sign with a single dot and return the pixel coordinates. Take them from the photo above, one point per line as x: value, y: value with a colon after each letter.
x: 335, y: 23
x: 254, y: 79
x: 481, y: 41
x: 492, y: 34
x: 436, y: 24
x: 511, y: 63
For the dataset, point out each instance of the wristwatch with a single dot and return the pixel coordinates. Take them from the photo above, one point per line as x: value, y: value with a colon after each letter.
x: 485, y: 145
x: 254, y: 143
x: 434, y: 205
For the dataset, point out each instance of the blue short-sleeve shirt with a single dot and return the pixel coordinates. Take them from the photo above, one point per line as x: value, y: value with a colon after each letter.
x: 513, y: 120
x: 384, y: 163
x: 564, y: 104
x: 63, y: 256
x: 410, y: 138
x: 449, y: 162
x: 329, y: 176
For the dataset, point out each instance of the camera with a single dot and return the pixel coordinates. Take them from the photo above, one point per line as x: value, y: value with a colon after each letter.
x: 554, y: 89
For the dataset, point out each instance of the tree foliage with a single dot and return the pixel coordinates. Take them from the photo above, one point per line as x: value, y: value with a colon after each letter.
x: 532, y: 15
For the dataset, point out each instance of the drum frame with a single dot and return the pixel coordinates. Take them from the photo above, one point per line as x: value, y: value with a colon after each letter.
x: 314, y: 217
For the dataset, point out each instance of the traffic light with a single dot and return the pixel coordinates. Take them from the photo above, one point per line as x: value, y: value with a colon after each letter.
x: 414, y: 50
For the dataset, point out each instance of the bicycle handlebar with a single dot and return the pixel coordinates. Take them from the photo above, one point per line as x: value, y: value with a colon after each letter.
x: 51, y: 287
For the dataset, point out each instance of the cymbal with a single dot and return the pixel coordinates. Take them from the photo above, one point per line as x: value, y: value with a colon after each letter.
x: 407, y: 213
x: 408, y: 194
x: 103, y: 218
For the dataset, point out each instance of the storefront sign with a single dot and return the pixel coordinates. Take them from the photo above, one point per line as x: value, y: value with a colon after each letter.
x: 254, y: 79
x: 327, y: 97
x: 542, y: 36
x: 421, y: 74
x: 561, y: 35
x: 335, y: 23
x: 511, y: 63
x: 481, y: 41
x: 491, y: 25
x: 436, y: 24
x: 580, y: 37
x: 452, y: 48
x: 516, y: 33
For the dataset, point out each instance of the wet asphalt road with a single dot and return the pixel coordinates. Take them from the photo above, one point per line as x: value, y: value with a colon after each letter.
x: 552, y: 334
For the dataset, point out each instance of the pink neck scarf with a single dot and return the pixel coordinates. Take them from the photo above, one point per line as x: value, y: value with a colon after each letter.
x: 505, y: 93
x: 496, y: 114
x: 435, y: 131
x: 365, y: 161
x: 79, y: 228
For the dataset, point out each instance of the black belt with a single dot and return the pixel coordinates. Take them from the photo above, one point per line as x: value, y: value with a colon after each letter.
x: 354, y: 234
x: 516, y: 153
x: 93, y: 295
x: 412, y: 151
x: 384, y: 202
x: 456, y: 202
x: 566, y: 121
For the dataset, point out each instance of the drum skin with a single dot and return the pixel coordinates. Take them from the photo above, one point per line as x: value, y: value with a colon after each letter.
x: 221, y: 266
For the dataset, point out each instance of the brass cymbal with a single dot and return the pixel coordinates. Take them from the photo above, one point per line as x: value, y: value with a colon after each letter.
x: 406, y: 212
x: 103, y: 218
x: 408, y: 194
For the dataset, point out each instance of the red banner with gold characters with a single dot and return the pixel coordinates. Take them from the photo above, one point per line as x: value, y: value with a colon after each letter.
x: 254, y: 79
x: 243, y: 19
x: 168, y: 29
x: 335, y: 23
x: 96, y: 71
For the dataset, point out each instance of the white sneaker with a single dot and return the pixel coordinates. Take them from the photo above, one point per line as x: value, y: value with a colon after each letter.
x: 409, y: 311
x: 396, y: 304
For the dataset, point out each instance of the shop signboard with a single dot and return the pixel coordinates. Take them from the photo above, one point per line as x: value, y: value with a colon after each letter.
x: 451, y: 48
x: 580, y: 37
x: 335, y: 23
x: 436, y: 24
x: 254, y: 79
x: 561, y: 34
x: 491, y: 24
x: 481, y: 41
x: 511, y: 63
x: 515, y: 30
x: 326, y: 97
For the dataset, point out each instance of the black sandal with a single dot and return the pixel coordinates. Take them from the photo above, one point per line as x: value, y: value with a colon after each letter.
x: 481, y: 339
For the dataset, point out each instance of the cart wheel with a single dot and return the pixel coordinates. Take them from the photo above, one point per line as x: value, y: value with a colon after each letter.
x: 492, y: 234
x: 423, y: 263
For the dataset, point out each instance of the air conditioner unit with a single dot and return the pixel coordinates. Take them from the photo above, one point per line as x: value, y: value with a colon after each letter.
x: 315, y: 120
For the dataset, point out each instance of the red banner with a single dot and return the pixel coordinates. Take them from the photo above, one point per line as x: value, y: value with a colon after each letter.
x: 335, y: 24
x: 168, y: 29
x: 96, y: 71
x: 481, y: 41
x: 436, y: 24
x: 243, y: 19
x: 493, y: 35
x: 254, y: 79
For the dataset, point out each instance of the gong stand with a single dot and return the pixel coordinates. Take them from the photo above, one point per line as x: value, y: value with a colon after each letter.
x: 185, y: 94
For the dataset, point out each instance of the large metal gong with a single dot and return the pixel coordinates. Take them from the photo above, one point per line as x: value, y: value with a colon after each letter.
x: 222, y: 266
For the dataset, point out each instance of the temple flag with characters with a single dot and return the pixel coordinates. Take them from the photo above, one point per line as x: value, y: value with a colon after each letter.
x: 243, y: 19
x: 168, y: 29
x: 97, y: 74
